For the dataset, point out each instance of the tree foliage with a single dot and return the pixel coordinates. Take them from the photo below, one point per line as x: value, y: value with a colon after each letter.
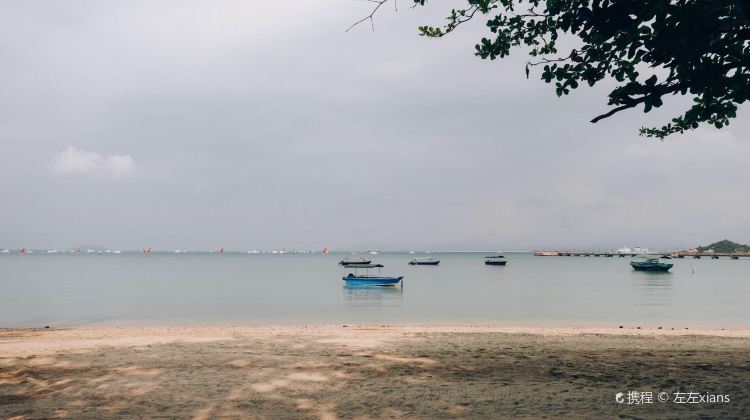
x: 652, y: 48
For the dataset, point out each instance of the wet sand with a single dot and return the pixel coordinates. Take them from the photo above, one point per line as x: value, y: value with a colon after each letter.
x: 368, y: 372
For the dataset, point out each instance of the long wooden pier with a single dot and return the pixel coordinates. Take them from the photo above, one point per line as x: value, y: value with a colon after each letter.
x: 677, y: 254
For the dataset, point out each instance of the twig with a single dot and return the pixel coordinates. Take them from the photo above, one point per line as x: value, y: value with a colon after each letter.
x: 544, y: 60
x: 378, y: 3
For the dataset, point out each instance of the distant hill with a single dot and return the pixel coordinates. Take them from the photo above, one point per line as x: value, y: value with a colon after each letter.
x: 725, y: 247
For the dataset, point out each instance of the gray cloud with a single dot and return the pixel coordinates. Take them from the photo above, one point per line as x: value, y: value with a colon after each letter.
x: 72, y: 161
x: 264, y: 125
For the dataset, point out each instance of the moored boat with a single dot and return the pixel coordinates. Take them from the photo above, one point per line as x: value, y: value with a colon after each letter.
x: 650, y: 264
x: 367, y: 279
x: 346, y: 261
x: 495, y: 260
x: 424, y: 261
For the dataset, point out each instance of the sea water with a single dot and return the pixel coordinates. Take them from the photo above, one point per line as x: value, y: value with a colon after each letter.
x: 245, y: 289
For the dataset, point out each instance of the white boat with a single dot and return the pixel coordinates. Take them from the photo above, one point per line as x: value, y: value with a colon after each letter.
x: 635, y: 250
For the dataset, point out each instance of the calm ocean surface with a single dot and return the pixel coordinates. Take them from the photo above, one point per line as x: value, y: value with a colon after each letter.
x: 134, y: 289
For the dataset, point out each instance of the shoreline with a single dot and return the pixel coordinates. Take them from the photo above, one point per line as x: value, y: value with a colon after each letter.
x: 22, y: 342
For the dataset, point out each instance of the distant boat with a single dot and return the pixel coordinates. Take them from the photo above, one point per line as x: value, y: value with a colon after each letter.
x: 356, y: 279
x: 5, y: 251
x: 347, y: 261
x: 424, y: 261
x: 495, y: 260
x: 650, y: 264
x: 546, y: 253
x: 374, y: 252
x: 635, y: 250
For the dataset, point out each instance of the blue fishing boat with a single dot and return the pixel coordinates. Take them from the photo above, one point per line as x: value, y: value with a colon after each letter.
x: 367, y: 279
x: 650, y: 264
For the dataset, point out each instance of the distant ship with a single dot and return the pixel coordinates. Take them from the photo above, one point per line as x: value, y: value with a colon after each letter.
x: 424, y: 261
x: 636, y: 250
x: 495, y: 260
x: 545, y: 253
x: 348, y: 261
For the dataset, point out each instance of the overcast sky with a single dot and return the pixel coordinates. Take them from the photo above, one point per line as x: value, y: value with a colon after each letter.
x: 260, y: 125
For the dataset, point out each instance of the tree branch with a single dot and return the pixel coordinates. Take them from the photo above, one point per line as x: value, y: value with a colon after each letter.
x: 618, y: 109
x: 664, y: 89
x: 378, y: 3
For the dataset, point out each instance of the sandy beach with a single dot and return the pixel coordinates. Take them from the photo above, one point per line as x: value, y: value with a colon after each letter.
x: 370, y: 371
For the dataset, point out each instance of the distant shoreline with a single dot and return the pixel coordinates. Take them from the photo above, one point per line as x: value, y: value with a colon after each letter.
x: 511, y: 327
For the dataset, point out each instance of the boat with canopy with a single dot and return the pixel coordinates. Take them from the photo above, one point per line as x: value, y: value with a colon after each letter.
x: 356, y: 278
